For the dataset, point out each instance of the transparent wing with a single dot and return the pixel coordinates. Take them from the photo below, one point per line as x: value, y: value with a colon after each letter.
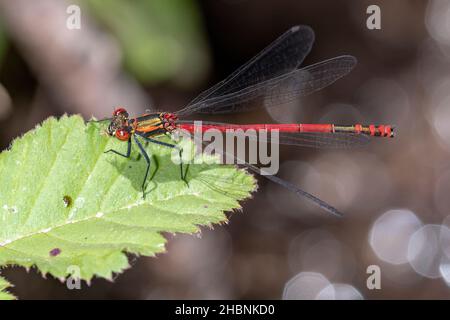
x: 285, y: 54
x: 276, y: 91
x: 286, y: 184
x: 323, y: 140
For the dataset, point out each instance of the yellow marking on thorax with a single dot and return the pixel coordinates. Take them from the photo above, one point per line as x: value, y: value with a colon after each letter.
x: 149, y: 125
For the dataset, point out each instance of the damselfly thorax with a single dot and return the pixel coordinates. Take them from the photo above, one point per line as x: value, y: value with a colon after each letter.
x: 151, y: 124
x: 154, y: 123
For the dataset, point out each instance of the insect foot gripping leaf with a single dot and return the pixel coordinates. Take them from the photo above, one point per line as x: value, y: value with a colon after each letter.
x: 64, y: 203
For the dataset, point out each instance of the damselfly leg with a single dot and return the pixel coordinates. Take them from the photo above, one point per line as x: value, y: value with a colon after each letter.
x: 148, y: 161
x: 146, y: 137
x: 127, y: 155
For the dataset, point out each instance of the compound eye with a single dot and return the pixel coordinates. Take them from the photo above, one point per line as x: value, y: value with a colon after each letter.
x: 120, y: 111
x: 122, y: 134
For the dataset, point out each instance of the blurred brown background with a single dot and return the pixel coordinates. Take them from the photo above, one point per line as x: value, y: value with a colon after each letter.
x: 160, y: 54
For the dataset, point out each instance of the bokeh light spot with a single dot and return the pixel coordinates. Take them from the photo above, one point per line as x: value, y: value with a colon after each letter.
x: 425, y: 250
x: 339, y: 291
x: 305, y: 286
x: 390, y: 234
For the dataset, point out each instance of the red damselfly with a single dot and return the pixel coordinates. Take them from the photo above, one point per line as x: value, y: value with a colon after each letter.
x: 270, y: 79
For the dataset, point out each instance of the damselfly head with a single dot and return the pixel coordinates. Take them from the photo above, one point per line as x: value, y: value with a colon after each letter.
x: 120, y: 132
x: 120, y: 115
x: 123, y: 134
x: 119, y: 111
x: 119, y: 124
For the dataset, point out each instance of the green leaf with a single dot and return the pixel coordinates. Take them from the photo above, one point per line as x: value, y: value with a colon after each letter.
x: 65, y: 204
x: 5, y: 295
